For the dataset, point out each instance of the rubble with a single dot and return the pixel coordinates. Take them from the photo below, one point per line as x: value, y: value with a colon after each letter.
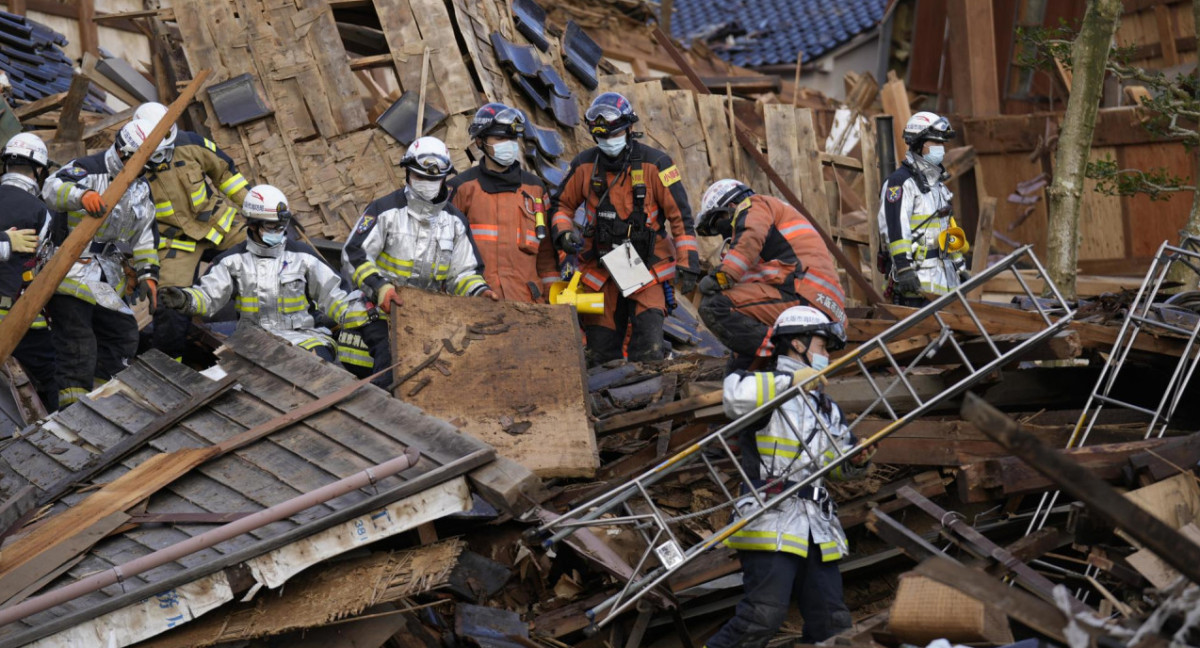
x: 958, y: 532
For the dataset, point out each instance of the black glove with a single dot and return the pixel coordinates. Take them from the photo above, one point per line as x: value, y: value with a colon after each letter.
x: 173, y: 298
x: 709, y: 285
x: 685, y: 281
x: 964, y: 275
x: 907, y: 282
x: 569, y: 242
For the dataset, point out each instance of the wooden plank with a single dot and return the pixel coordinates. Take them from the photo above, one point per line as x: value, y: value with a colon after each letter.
x: 406, y: 45
x: 783, y: 150
x: 811, y: 172
x: 1077, y: 482
x: 982, y: 246
x: 670, y: 411
x: 894, y: 98
x: 872, y: 187
x: 1087, y: 286
x: 482, y: 339
x: 973, y: 54
x: 40, y: 106
x: 1170, y: 215
x: 450, y: 71
x: 1101, y: 227
x: 89, y: 40
x: 1166, y: 35
x: 22, y: 562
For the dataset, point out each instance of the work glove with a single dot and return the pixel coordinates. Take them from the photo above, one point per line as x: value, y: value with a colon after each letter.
x: 93, y: 204
x: 569, y: 242
x: 964, y: 275
x: 907, y: 282
x: 385, y: 297
x: 803, y: 374
x: 864, y: 457
x: 685, y: 283
x: 22, y: 240
x: 147, y: 288
x: 709, y: 285
x: 173, y: 298
x: 490, y: 294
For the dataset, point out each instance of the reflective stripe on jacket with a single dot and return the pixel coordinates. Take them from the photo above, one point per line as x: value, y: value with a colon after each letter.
x: 405, y: 241
x: 196, y: 194
x: 278, y: 289
x: 502, y: 210
x: 789, y: 524
x: 774, y: 243
x: 910, y: 221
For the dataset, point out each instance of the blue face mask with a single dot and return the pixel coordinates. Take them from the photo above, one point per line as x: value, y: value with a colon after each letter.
x: 271, y: 239
x: 612, y: 146
x: 935, y: 155
x: 819, y: 362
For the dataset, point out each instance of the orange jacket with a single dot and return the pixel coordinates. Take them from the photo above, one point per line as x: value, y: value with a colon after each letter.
x: 775, y: 244
x: 666, y: 205
x: 502, y: 209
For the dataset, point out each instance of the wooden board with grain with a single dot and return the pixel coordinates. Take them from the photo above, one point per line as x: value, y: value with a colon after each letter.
x: 1101, y: 232
x: 507, y: 365
x: 782, y: 151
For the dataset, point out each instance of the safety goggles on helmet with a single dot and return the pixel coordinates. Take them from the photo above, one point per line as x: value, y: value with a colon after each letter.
x: 433, y: 165
x: 511, y: 118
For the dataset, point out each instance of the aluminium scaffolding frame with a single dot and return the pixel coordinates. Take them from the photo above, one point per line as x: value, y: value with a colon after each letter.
x: 632, y: 504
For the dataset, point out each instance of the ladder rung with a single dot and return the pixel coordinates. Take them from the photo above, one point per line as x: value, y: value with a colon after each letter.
x: 1163, y: 325
x: 1118, y: 403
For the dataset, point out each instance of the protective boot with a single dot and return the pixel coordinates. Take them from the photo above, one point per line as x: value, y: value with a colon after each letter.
x: 646, y: 342
x: 603, y: 345
x: 741, y: 333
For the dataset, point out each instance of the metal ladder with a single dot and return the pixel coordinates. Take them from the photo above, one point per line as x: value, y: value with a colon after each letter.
x: 632, y: 504
x: 1142, y: 317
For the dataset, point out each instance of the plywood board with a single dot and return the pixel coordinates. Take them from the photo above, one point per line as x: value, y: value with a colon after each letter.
x: 1153, y: 221
x: 1101, y: 228
x: 782, y: 151
x: 1001, y: 174
x: 507, y: 365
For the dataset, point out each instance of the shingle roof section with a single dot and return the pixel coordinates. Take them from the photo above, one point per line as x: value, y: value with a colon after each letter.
x: 771, y: 32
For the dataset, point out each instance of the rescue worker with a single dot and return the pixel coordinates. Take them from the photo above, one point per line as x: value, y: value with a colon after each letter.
x: 775, y: 259
x: 95, y: 332
x: 914, y: 211
x: 790, y: 550
x: 633, y: 194
x: 25, y: 222
x: 196, y: 187
x: 275, y: 283
x: 506, y: 209
x: 415, y: 237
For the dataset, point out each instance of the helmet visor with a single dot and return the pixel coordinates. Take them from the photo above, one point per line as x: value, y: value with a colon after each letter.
x: 431, y: 164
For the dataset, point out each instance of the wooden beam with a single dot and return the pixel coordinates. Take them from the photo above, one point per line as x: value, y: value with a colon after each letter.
x: 1021, y: 133
x: 973, y: 50
x: 983, y: 239
x: 31, y: 302
x: 62, y: 10
x: 40, y: 106
x: 68, y: 141
x: 16, y: 7
x: 1166, y: 35
x: 1086, y: 286
x: 89, y: 40
x: 894, y: 97
x: 367, y: 62
x: 1077, y: 482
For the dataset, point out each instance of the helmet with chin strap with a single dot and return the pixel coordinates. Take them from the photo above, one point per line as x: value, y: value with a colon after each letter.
x: 266, y: 205
x: 153, y: 112
x: 806, y: 320
x: 926, y: 126
x: 720, y: 200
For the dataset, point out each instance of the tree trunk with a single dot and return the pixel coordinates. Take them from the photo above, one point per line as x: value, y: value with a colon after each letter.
x: 1180, y: 271
x: 1089, y: 54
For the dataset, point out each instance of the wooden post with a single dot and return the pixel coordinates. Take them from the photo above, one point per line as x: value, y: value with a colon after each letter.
x: 872, y: 186
x: 983, y: 240
x: 894, y: 97
x: 89, y: 40
x: 16, y: 7
x: 420, y: 127
x: 745, y: 138
x: 31, y: 302
x: 973, y: 66
x: 1078, y: 482
x: 68, y: 140
x: 1166, y: 35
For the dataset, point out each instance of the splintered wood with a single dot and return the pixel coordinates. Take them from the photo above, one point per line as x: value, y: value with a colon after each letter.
x: 319, y: 597
x: 507, y: 373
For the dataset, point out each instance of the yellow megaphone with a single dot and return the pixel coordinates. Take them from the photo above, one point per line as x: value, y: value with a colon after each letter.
x: 562, y: 292
x: 954, y: 239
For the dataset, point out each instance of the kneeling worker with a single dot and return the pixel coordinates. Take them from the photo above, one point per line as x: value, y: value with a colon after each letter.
x: 275, y: 283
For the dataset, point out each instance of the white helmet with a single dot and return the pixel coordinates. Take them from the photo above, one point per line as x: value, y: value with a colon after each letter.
x: 266, y: 204
x: 153, y: 112
x: 721, y: 197
x: 927, y: 126
x: 130, y: 138
x: 429, y: 157
x: 800, y: 320
x: 26, y: 148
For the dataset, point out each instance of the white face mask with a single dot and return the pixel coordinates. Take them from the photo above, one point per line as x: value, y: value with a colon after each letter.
x: 505, y: 153
x: 819, y: 362
x: 426, y: 189
x: 271, y: 239
x: 935, y: 155
x: 612, y: 146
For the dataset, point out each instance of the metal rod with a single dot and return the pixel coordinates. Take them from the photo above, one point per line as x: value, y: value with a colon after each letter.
x: 208, y: 539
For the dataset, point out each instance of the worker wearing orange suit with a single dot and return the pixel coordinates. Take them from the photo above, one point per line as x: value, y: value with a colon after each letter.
x: 630, y: 193
x: 506, y: 209
x: 775, y: 260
